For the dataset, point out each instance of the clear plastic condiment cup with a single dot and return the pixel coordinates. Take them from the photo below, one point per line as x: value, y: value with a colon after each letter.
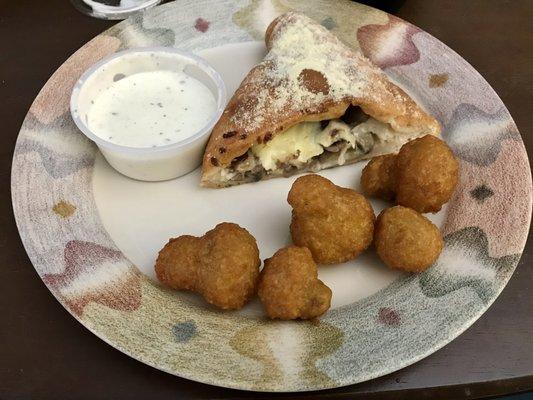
x: 148, y: 163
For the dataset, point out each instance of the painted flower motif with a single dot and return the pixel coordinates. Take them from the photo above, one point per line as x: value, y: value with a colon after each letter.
x: 437, y: 80
x: 201, y: 25
x: 145, y: 29
x: 476, y: 136
x: 388, y: 316
x: 94, y: 273
x: 62, y: 149
x: 328, y: 23
x: 184, y: 331
x: 256, y: 17
x: 481, y: 193
x: 64, y: 209
x: 465, y: 262
x: 486, y: 197
x: 389, y: 45
x: 53, y: 100
x: 288, y: 350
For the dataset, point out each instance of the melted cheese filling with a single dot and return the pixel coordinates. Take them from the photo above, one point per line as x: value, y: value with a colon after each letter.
x: 296, y: 144
x: 300, y: 143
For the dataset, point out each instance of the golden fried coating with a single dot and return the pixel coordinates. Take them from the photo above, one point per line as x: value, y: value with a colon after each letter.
x: 378, y: 179
x: 335, y: 223
x: 177, y: 263
x: 230, y: 266
x: 427, y: 174
x: 223, y: 265
x: 289, y: 287
x: 405, y: 239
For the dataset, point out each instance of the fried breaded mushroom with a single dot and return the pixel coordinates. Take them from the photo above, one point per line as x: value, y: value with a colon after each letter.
x: 426, y: 175
x: 405, y: 239
x: 378, y: 177
x: 289, y: 287
x: 223, y: 265
x: 177, y: 263
x: 336, y: 224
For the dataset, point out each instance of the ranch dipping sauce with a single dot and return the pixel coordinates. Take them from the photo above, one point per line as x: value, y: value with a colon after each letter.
x: 151, y: 109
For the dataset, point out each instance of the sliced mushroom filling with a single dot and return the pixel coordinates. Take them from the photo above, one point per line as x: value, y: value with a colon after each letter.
x: 310, y: 144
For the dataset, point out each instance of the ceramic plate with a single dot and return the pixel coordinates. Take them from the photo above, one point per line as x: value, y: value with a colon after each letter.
x: 93, y: 234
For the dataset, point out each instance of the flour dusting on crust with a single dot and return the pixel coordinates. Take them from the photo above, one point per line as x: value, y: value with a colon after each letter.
x: 300, y: 45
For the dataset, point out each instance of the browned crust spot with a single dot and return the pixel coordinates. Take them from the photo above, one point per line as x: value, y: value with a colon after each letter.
x: 314, y: 81
x: 214, y: 161
x: 229, y: 134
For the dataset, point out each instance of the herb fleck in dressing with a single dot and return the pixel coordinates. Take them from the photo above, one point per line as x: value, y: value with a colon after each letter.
x: 151, y: 109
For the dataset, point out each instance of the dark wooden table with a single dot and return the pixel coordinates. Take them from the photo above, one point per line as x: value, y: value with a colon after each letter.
x: 46, y: 354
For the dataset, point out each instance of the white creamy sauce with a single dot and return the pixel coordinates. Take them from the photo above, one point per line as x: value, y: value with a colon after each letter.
x: 151, y: 109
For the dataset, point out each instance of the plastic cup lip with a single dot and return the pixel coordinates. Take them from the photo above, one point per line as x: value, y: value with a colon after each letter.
x: 192, y: 59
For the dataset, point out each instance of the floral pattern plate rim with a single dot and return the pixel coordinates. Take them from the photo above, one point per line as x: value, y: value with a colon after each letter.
x: 485, y: 228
